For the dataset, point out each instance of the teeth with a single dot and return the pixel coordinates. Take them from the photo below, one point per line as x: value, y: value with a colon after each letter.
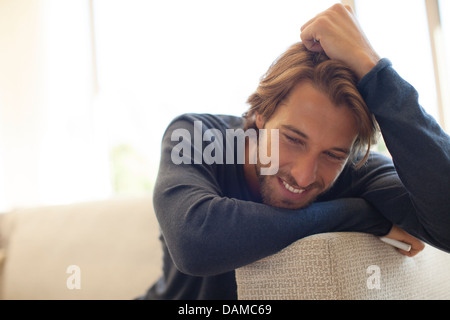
x: 292, y: 189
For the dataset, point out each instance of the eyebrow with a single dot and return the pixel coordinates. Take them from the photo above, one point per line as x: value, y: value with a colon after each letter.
x: 295, y: 130
x: 305, y: 136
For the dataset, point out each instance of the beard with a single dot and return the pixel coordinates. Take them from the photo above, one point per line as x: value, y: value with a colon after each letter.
x: 268, y: 186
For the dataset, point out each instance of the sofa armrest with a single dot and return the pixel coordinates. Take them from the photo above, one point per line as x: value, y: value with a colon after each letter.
x: 345, y: 265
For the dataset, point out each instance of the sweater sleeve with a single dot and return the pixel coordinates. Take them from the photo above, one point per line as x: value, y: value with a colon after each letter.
x: 208, y: 233
x: 420, y: 150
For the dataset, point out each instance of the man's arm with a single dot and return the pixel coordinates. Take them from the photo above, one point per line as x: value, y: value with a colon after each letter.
x: 419, y: 201
x: 420, y: 150
x: 208, y: 233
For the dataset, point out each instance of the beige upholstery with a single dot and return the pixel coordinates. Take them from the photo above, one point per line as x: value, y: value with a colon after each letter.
x: 346, y: 266
x: 114, y: 243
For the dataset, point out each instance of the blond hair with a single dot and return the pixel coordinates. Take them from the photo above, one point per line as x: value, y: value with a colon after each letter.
x: 330, y: 77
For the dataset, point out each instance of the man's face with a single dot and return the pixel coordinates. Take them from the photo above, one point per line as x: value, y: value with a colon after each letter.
x: 315, y: 139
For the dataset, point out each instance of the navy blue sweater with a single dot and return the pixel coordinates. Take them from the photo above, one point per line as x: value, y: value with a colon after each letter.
x: 211, y: 225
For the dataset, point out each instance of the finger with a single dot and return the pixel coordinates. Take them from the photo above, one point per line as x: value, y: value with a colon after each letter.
x: 417, y: 248
x: 307, y: 24
x: 308, y: 38
x: 313, y: 45
x: 406, y: 253
x: 410, y: 253
x: 413, y: 252
x: 311, y: 40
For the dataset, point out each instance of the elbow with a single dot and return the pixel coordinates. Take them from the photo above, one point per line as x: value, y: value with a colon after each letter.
x: 196, y: 258
x: 194, y: 241
x: 191, y: 267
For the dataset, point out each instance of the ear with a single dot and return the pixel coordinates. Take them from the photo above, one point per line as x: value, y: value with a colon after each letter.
x: 259, y: 120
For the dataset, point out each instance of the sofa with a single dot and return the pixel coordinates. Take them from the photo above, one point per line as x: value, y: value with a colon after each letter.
x: 104, y: 250
x: 346, y: 266
x: 109, y: 250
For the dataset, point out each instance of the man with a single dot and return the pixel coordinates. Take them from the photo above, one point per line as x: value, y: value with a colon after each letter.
x: 216, y: 217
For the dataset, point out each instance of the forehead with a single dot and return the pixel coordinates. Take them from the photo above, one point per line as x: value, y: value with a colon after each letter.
x: 313, y: 113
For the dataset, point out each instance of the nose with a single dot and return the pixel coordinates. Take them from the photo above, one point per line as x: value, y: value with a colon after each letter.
x: 304, y: 170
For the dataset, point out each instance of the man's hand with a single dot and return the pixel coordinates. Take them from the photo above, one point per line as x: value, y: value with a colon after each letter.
x: 337, y: 32
x: 401, y: 235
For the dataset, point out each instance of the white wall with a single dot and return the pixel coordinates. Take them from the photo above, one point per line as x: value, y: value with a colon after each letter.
x: 50, y: 149
x: 21, y: 97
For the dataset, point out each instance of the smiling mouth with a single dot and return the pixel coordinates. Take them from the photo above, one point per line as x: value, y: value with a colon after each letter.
x: 292, y: 189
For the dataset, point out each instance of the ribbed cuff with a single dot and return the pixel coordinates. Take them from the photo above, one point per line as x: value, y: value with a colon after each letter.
x: 383, y: 63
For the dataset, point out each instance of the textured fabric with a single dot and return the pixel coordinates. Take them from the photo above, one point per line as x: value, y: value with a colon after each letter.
x: 344, y: 266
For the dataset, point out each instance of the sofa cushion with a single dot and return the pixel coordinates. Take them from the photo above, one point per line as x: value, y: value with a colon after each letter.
x: 109, y: 248
x: 346, y: 266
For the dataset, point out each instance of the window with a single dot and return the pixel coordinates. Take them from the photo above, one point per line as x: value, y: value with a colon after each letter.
x: 88, y: 87
x: 403, y: 39
x: 159, y: 59
x: 444, y: 54
x: 445, y: 20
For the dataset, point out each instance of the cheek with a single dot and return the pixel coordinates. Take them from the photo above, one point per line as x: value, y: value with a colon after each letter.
x: 329, y: 173
x: 286, y: 156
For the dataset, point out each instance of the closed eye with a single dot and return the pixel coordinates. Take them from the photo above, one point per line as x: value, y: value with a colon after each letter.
x: 335, y: 157
x: 293, y: 140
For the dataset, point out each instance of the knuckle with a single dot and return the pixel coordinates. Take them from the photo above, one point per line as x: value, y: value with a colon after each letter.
x: 323, y: 21
x: 339, y: 7
x: 341, y: 10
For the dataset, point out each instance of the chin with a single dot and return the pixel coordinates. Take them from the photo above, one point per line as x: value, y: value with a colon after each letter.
x: 274, y: 194
x: 272, y: 199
